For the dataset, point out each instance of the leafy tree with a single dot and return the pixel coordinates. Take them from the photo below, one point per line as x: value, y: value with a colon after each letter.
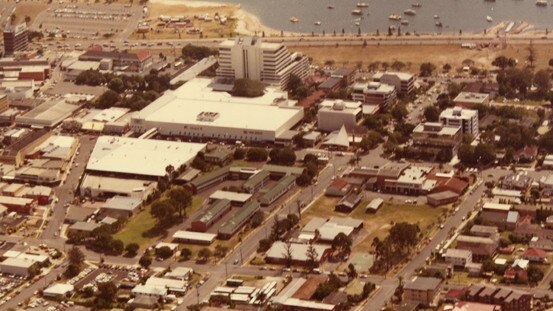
x: 282, y: 156
x: 75, y: 256
x: 399, y: 112
x: 371, y: 140
x: 535, y: 274
x: 257, y: 219
x: 132, y: 249
x: 239, y: 153
x: 163, y: 211
x: 116, y: 85
x: 312, y: 257
x: 256, y: 155
x: 248, y: 88
x: 264, y: 245
x: 197, y: 52
x: 116, y: 247
x: 106, y: 294
x: 180, y: 198
x: 426, y: 69
x: 108, y: 99
x: 542, y: 80
x: 204, y: 254
x: 446, y: 67
x: 185, y: 254
x: 352, y: 272
x: 288, y: 253
x: 90, y: 77
x: 220, y: 251
x: 503, y: 62
x: 342, y: 243
x: 72, y: 270
x: 431, y: 114
x: 164, y: 252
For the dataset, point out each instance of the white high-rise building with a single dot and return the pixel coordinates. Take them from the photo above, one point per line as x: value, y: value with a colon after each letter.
x: 250, y: 58
x: 467, y: 119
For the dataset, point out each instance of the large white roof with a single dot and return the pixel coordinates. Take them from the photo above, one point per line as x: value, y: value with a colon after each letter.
x: 139, y: 156
x: 183, y: 105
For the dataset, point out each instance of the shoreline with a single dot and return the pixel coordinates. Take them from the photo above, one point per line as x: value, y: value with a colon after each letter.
x: 249, y: 24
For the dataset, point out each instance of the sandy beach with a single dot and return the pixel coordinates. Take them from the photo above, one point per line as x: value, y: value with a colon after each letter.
x: 246, y: 22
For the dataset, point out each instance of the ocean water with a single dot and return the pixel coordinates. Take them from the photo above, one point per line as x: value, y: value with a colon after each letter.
x: 455, y: 15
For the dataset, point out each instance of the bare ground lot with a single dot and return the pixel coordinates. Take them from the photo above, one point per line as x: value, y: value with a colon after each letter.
x: 413, y: 56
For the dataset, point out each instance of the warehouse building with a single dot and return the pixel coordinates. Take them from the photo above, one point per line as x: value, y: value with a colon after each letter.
x: 17, y: 266
x: 210, y: 215
x: 122, y: 206
x: 238, y: 220
x: 105, y: 187
x: 195, y: 111
x: 47, y: 115
x: 144, y: 158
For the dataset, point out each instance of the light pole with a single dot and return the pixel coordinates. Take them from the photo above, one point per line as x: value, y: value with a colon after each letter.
x: 198, y: 293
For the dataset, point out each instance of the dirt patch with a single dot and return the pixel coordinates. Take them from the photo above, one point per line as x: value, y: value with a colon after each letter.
x: 31, y: 10
x: 440, y: 55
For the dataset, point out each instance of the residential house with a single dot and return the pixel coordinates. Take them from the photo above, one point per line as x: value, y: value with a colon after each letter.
x: 535, y: 255
x: 526, y: 154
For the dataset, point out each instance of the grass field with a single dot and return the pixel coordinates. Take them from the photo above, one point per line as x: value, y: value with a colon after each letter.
x: 134, y: 230
x: 377, y: 225
x: 452, y: 54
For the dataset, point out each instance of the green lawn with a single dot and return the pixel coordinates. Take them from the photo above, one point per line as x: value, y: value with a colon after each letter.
x: 379, y: 223
x: 134, y: 229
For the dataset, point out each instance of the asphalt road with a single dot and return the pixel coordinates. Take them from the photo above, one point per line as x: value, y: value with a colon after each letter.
x: 65, y: 191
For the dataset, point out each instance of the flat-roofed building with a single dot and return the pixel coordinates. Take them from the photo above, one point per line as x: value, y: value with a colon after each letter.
x: 105, y: 186
x: 16, y: 38
x: 250, y: 58
x: 421, y: 289
x: 458, y: 257
x: 135, y: 157
x: 48, y: 115
x: 182, y: 236
x: 17, y: 266
x: 238, y: 220
x: 467, y: 119
x: 333, y: 114
x: 283, y: 185
x: 480, y: 247
x: 122, y: 206
x: 236, y: 198
x: 471, y: 99
x: 442, y: 198
x: 18, y: 148
x: 19, y: 205
x: 484, y: 231
x: 130, y: 61
x: 379, y: 94
x: 403, y: 82
x: 210, y: 215
x: 432, y: 137
x: 194, y: 110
